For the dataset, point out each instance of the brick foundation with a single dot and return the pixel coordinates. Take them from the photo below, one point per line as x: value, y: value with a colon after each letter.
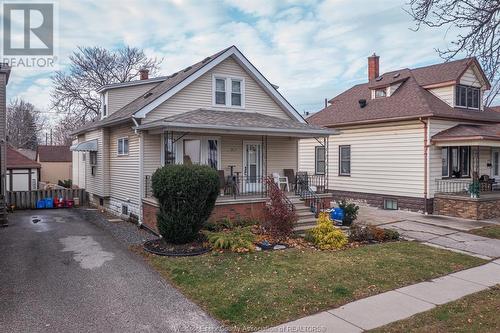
x: 467, y: 208
x: 377, y: 200
x: 231, y: 210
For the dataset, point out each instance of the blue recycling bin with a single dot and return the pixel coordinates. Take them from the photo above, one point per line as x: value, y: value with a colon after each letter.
x: 40, y: 204
x: 337, y: 214
x: 49, y: 203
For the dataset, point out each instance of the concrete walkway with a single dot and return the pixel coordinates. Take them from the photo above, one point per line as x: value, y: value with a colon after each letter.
x: 391, y: 306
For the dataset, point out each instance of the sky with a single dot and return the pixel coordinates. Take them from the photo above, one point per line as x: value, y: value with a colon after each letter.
x: 311, y: 49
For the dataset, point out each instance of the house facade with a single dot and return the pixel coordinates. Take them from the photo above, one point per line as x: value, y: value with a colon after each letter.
x: 221, y: 112
x: 413, y: 139
x: 56, y: 163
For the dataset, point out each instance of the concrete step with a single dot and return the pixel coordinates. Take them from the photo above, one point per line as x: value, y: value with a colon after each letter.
x: 301, y: 229
x: 304, y: 212
x: 307, y: 220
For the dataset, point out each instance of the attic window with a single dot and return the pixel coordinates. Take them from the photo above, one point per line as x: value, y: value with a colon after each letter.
x: 379, y: 93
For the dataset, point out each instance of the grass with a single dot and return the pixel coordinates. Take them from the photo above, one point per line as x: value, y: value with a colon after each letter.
x: 474, y: 313
x: 256, y: 290
x: 492, y: 231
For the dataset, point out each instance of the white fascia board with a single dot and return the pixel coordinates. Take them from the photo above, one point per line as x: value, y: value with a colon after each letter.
x: 245, y: 63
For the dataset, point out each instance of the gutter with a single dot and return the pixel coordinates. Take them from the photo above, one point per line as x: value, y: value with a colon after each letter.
x: 426, y: 158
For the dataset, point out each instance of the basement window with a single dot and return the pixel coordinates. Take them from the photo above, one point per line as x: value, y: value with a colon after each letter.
x: 390, y: 204
x: 124, y: 210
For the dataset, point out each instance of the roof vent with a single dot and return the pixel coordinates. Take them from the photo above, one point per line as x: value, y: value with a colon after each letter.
x: 379, y: 78
x: 146, y: 95
x: 171, y: 76
x: 396, y: 75
x: 362, y: 103
x: 206, y: 59
x: 187, y: 69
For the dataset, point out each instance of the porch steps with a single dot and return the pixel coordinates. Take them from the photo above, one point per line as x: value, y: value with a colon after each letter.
x: 307, y: 220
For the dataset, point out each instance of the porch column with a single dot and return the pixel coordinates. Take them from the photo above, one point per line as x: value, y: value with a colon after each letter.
x: 475, y: 163
x: 325, y: 144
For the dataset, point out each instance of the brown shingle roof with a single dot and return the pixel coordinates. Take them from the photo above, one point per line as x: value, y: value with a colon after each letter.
x: 410, y: 100
x: 54, y: 154
x: 16, y: 160
x: 480, y: 132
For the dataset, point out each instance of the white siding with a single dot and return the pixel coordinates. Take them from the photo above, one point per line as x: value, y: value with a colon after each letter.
x: 78, y: 166
x: 152, y: 153
x: 446, y: 94
x: 281, y: 154
x: 124, y: 170
x: 199, y: 95
x: 469, y: 78
x: 119, y: 97
x: 306, y: 155
x: 385, y: 159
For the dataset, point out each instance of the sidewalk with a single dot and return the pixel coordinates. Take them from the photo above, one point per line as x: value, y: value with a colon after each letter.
x: 388, y: 307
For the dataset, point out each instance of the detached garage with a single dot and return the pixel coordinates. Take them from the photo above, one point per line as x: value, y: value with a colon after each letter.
x: 22, y: 173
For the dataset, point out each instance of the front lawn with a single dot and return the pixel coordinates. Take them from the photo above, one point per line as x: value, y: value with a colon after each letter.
x: 261, y: 289
x: 492, y: 231
x: 474, y: 313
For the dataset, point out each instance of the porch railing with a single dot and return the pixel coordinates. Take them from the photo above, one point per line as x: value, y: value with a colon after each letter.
x: 455, y: 186
x: 244, y: 186
x: 308, y: 187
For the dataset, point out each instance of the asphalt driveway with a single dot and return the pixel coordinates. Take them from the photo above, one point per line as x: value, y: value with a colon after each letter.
x: 66, y: 274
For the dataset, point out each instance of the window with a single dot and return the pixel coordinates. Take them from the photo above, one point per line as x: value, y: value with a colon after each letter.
x: 169, y: 147
x: 83, y: 157
x: 345, y: 160
x: 380, y: 93
x: 93, y: 162
x: 220, y: 91
x: 192, y: 151
x: 213, y: 157
x: 124, y: 210
x: 319, y: 160
x: 455, y: 162
x: 228, y: 92
x: 390, y: 204
x: 104, y: 110
x: 467, y: 97
x: 123, y: 146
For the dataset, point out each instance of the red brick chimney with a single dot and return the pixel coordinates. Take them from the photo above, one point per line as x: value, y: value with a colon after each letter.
x: 144, y: 74
x: 373, y: 67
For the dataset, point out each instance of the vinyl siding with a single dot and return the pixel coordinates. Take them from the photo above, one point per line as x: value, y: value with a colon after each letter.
x: 119, y: 97
x: 124, y: 170
x: 385, y: 159
x: 281, y: 154
x: 199, y: 95
x: 469, y: 78
x: 96, y: 184
x: 152, y: 153
x: 446, y: 94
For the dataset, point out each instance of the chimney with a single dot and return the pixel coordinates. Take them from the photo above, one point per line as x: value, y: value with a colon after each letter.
x: 373, y: 67
x: 144, y: 74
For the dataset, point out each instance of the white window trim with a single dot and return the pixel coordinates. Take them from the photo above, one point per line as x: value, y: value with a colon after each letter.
x: 316, y: 160
x: 467, y: 107
x: 228, y: 79
x: 179, y: 149
x: 340, y: 160
x: 118, y: 146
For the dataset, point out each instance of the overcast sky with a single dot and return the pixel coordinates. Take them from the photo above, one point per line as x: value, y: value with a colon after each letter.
x: 310, y: 49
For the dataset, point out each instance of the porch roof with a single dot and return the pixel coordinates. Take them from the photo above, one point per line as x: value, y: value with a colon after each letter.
x: 236, y: 122
x: 90, y: 145
x: 471, y: 135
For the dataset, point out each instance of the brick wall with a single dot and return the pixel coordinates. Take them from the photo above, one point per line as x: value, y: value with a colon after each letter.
x: 467, y: 208
x: 232, y: 211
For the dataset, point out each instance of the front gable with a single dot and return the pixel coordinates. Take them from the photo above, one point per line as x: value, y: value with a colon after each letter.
x: 200, y: 94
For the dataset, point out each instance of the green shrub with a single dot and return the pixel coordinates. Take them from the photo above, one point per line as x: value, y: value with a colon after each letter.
x: 186, y: 196
x: 240, y: 239
x: 226, y: 223
x: 350, y: 211
x: 325, y: 235
x: 66, y: 183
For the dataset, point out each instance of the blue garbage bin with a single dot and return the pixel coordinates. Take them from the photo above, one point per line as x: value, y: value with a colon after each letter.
x: 49, y: 203
x: 337, y: 214
x: 40, y: 204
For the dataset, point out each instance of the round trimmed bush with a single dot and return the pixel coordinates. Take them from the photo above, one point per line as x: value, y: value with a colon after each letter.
x: 186, y: 196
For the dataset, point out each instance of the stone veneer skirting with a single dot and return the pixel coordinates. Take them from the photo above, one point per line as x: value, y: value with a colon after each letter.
x: 467, y: 208
x: 245, y: 208
x: 377, y: 200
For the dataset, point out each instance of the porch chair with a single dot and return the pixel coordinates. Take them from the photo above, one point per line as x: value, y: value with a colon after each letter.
x: 279, y: 180
x: 290, y: 174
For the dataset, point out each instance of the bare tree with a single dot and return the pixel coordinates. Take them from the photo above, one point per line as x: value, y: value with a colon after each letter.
x: 478, y: 25
x: 61, y: 131
x: 24, y: 124
x: 90, y: 68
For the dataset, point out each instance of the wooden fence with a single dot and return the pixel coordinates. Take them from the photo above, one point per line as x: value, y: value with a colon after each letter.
x: 28, y: 199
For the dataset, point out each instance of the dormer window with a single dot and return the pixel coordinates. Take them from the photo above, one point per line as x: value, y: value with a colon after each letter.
x: 379, y: 93
x: 228, y: 91
x: 467, y: 97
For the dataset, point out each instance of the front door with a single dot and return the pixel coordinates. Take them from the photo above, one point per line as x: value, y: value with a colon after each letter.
x: 252, y: 166
x: 495, y: 164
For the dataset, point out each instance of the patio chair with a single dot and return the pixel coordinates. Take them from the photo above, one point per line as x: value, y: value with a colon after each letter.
x: 279, y: 180
x: 290, y: 174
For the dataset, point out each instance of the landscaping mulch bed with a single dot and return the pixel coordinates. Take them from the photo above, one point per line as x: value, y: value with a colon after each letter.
x: 162, y: 248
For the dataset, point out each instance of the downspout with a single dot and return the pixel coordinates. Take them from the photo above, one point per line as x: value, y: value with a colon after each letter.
x: 426, y: 158
x: 141, y: 170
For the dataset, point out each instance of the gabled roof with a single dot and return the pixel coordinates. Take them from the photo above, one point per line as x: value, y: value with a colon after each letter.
x: 409, y: 101
x: 16, y: 160
x: 142, y: 105
x: 54, y: 154
x: 249, y: 122
x: 469, y: 132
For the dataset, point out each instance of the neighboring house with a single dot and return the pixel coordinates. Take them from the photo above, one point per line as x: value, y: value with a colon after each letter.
x: 412, y: 139
x: 4, y: 79
x: 23, y: 173
x: 29, y: 153
x: 55, y: 162
x: 220, y: 112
